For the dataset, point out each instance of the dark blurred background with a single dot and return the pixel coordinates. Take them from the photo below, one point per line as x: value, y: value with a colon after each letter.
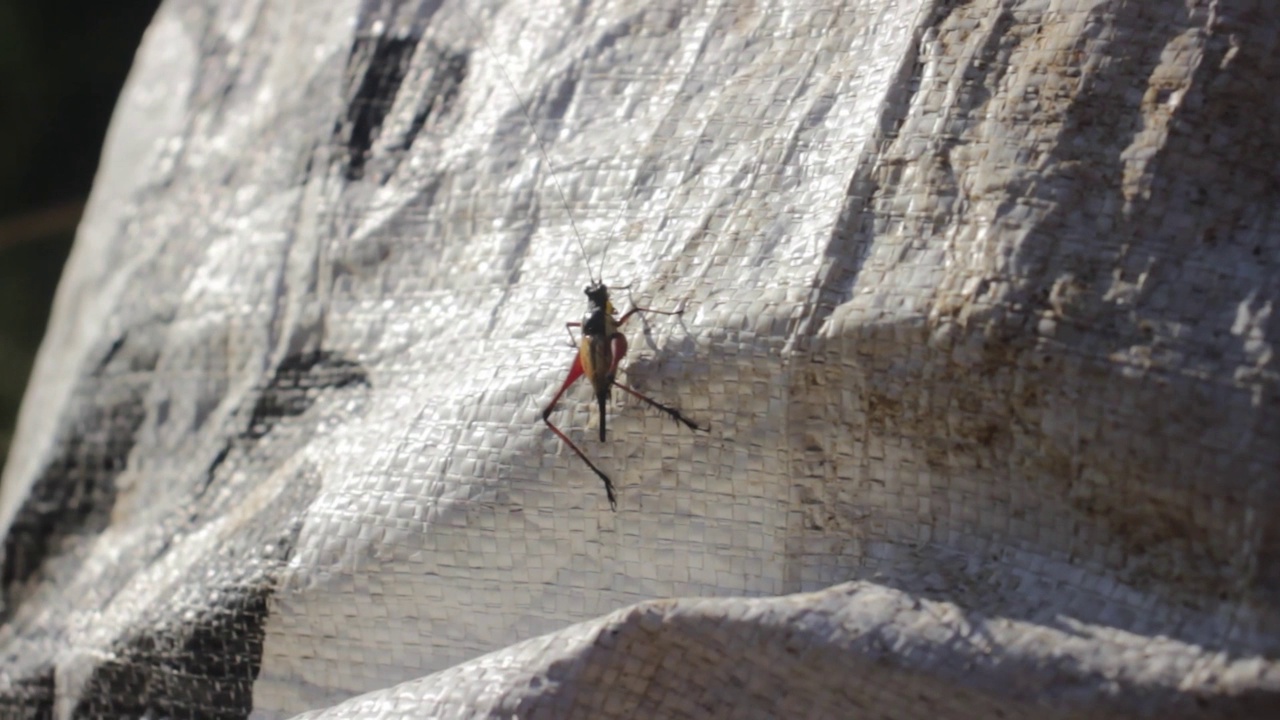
x: 62, y: 64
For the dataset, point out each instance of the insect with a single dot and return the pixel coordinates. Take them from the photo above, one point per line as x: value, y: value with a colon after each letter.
x: 600, y: 350
x: 602, y: 346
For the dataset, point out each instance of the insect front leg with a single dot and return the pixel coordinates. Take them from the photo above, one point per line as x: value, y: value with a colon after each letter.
x: 634, y: 310
x: 637, y: 309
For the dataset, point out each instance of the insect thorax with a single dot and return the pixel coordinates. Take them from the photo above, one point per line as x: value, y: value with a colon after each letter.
x: 595, y: 322
x: 600, y: 309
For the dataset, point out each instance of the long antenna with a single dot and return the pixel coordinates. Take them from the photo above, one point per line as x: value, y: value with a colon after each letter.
x: 538, y: 139
x: 613, y: 227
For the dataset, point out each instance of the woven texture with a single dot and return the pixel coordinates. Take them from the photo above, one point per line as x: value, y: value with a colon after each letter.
x: 978, y: 309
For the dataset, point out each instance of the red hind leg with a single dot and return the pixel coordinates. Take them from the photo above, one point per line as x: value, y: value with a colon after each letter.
x: 671, y: 412
x: 575, y: 372
x: 619, y: 352
x: 608, y: 484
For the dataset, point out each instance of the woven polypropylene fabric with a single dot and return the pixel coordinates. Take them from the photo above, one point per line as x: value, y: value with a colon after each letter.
x: 977, y: 308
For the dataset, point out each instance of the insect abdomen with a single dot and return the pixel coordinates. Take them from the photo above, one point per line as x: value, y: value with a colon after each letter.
x: 596, y: 353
